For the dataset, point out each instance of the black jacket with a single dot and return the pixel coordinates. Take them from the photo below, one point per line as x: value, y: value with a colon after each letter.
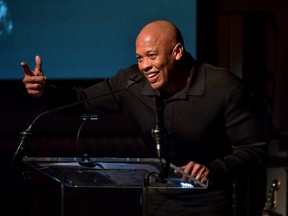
x: 212, y: 121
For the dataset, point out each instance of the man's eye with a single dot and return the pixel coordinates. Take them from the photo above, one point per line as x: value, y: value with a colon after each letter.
x: 152, y: 56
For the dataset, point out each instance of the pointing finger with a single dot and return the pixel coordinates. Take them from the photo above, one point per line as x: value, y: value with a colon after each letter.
x: 26, y: 69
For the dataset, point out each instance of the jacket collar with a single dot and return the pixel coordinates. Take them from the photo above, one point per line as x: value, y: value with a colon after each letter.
x: 195, y: 86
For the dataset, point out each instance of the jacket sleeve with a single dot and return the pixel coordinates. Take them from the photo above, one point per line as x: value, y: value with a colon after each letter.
x: 246, y: 133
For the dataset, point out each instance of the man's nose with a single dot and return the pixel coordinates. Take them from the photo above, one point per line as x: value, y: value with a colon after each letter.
x: 145, y: 65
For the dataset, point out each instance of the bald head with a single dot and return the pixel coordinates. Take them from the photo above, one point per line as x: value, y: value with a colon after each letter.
x: 161, y: 30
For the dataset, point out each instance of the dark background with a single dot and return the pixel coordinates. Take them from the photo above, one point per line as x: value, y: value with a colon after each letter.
x: 248, y: 37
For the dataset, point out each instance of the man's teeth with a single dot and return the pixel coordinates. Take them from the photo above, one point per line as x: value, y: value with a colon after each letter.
x: 151, y: 74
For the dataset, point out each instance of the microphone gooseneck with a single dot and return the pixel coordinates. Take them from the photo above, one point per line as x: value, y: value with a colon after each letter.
x: 156, y: 133
x: 27, y: 134
x: 157, y: 136
x: 85, y: 118
x: 25, y: 140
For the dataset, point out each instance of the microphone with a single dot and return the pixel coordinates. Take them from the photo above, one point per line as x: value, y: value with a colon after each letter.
x: 157, y: 136
x: 26, y: 134
x: 156, y: 133
x: 135, y: 78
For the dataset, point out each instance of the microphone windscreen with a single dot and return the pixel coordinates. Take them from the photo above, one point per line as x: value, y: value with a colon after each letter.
x: 136, y: 78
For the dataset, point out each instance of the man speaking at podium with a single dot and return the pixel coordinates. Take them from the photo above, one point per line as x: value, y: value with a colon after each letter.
x: 208, y: 124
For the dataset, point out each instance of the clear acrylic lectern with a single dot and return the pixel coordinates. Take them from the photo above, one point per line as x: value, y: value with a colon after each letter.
x: 81, y: 177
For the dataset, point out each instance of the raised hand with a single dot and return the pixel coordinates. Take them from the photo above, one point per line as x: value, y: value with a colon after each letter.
x: 34, y: 81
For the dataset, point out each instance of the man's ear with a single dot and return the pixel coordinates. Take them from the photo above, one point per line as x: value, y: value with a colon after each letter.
x: 178, y: 51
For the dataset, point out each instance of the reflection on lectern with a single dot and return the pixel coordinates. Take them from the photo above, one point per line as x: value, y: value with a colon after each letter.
x: 109, y: 185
